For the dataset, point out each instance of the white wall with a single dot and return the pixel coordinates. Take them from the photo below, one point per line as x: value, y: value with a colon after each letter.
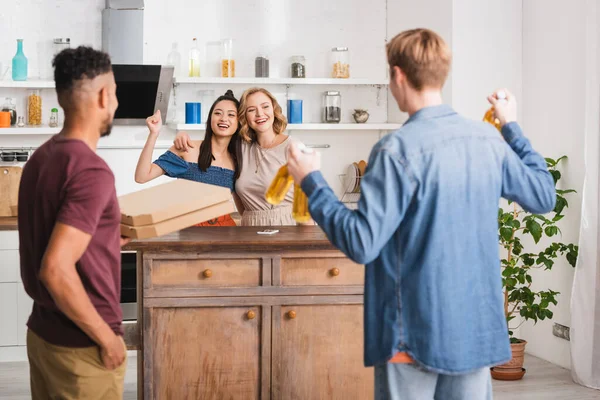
x: 554, y: 86
x: 408, y: 14
x: 487, y: 52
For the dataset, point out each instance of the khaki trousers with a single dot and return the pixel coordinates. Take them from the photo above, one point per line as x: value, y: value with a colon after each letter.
x: 64, y: 373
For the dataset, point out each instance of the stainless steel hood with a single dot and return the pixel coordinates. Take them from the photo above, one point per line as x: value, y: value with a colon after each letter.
x: 141, y: 90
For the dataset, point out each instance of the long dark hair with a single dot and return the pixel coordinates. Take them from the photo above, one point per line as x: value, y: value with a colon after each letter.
x: 234, y: 148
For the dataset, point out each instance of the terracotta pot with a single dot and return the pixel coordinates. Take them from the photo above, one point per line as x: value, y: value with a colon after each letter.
x: 508, y: 375
x: 513, y: 369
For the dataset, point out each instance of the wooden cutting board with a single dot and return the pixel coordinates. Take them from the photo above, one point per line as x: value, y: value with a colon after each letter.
x: 10, y: 177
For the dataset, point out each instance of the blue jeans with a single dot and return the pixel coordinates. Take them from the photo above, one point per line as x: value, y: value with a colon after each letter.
x: 408, y: 382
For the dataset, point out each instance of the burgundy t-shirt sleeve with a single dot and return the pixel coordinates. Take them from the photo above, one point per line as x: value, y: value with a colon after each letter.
x: 86, y: 197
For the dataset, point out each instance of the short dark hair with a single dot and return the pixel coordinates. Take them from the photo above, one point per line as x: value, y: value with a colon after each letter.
x: 72, y: 65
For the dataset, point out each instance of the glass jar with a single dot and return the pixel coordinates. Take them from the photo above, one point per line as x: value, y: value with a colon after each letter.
x: 298, y: 67
x: 174, y: 59
x: 227, y: 61
x: 21, y: 122
x: 61, y: 44
x: 340, y: 62
x: 332, y: 107
x: 213, y: 58
x: 261, y: 66
x: 53, y: 118
x: 12, y: 109
x: 34, y: 108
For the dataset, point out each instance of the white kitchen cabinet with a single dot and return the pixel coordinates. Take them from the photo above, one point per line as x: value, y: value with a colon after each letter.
x: 9, y: 240
x: 9, y: 266
x: 24, y: 304
x: 8, y: 314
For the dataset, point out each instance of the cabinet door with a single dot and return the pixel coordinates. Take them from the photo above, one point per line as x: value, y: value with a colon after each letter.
x: 8, y: 314
x: 205, y: 352
x: 24, y: 306
x: 9, y: 266
x: 318, y: 353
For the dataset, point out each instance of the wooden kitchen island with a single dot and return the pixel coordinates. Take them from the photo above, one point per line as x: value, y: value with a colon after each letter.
x: 225, y: 313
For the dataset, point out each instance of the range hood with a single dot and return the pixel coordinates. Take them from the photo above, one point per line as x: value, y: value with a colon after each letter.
x: 123, y: 31
x: 141, y: 90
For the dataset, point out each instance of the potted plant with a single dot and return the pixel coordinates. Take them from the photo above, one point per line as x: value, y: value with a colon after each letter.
x: 514, y: 226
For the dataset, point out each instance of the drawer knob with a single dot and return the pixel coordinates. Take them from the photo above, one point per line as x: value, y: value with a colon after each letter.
x: 291, y: 314
x: 334, y: 271
x: 207, y: 273
x: 251, y: 314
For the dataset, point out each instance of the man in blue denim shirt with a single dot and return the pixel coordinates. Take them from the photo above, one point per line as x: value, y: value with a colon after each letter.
x: 426, y: 228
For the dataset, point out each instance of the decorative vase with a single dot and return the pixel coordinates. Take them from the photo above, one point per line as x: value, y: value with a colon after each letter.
x: 19, y: 63
x: 360, y: 116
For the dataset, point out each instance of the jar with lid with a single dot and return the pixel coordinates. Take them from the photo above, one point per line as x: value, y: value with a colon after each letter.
x: 34, y: 108
x: 10, y: 107
x: 227, y: 61
x: 332, y: 107
x: 261, y: 66
x: 53, y: 118
x: 61, y: 44
x: 340, y: 62
x: 298, y: 67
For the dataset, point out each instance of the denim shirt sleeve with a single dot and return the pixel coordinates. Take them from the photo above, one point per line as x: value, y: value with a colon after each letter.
x: 525, y: 176
x: 386, y: 193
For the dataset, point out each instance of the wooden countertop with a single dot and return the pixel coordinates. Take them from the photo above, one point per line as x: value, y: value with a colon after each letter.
x: 204, y: 239
x: 8, y: 223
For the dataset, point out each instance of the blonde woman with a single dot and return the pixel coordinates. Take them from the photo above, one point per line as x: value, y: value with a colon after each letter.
x: 264, y: 151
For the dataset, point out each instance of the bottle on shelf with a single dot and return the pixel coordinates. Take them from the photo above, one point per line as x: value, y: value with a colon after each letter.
x: 489, y: 115
x: 19, y: 63
x: 174, y: 59
x: 194, y: 64
x: 281, y: 185
x: 53, y: 123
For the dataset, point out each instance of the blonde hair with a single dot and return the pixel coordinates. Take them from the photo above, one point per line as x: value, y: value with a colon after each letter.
x: 422, y: 55
x: 279, y: 124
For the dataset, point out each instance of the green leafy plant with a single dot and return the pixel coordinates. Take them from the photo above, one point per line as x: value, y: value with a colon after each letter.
x: 514, y: 225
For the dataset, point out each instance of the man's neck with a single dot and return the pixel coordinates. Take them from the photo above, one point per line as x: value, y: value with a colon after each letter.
x: 424, y: 98
x: 78, y: 128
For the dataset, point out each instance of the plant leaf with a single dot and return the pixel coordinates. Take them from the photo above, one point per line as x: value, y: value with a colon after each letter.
x: 561, y: 203
x: 535, y: 229
x: 556, y: 175
x: 506, y: 233
x: 561, y: 192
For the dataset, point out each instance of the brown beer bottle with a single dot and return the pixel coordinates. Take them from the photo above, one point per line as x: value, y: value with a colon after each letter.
x: 489, y: 116
x: 279, y: 188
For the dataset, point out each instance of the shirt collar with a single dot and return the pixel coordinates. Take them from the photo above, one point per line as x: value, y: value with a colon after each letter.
x: 431, y: 112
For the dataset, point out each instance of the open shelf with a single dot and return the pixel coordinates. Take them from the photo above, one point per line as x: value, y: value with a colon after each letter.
x: 30, y: 130
x: 306, y: 127
x: 28, y: 84
x: 282, y: 81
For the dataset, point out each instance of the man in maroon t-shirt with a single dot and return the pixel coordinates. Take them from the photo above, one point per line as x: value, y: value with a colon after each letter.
x: 70, y: 242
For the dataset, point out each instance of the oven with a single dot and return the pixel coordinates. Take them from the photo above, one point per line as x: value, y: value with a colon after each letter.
x: 129, y: 285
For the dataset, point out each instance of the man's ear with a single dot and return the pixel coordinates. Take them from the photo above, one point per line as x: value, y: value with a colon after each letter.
x: 103, y: 98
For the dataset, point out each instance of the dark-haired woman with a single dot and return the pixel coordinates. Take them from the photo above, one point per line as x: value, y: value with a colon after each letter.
x: 216, y: 160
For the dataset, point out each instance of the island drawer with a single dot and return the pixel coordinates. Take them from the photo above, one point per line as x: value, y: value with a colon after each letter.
x: 322, y: 271
x: 205, y: 273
